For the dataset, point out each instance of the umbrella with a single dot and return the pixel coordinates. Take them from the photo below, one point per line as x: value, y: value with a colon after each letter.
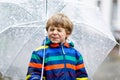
x: 94, y: 39
x: 22, y: 34
x: 20, y: 39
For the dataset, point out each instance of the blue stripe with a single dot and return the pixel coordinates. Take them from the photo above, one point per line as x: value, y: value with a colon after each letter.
x: 36, y: 61
x: 59, y: 74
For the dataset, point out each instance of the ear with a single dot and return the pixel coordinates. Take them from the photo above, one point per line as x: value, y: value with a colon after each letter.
x: 67, y: 36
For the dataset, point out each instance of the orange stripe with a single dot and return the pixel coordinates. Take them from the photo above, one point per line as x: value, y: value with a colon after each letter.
x: 58, y: 66
x: 79, y: 66
x: 71, y: 66
x: 35, y: 65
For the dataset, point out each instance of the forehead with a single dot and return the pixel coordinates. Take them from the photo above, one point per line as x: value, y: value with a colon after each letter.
x: 56, y: 27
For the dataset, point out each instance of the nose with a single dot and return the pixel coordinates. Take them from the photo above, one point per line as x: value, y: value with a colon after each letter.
x: 55, y: 32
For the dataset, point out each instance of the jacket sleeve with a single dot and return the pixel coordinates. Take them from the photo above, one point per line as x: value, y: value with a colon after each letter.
x: 35, y: 67
x: 81, y: 73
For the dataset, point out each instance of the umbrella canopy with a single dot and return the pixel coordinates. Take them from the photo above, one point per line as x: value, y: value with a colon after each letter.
x: 10, y: 14
x: 17, y: 45
x: 21, y: 32
x: 91, y: 36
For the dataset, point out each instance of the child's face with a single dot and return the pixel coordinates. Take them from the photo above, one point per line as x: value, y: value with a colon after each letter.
x: 57, y: 34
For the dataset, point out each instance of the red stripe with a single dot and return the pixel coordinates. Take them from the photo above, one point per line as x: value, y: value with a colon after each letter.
x: 57, y: 66
x: 71, y: 66
x: 80, y: 66
x: 35, y: 65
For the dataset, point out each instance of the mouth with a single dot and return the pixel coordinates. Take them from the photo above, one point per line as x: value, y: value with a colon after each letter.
x: 55, y: 37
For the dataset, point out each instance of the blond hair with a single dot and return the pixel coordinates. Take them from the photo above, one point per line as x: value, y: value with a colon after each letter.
x: 60, y: 20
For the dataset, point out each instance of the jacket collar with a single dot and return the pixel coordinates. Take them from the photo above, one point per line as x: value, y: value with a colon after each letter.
x: 54, y: 45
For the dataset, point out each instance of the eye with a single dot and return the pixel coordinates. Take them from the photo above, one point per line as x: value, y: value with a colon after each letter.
x: 51, y: 29
x: 59, y: 30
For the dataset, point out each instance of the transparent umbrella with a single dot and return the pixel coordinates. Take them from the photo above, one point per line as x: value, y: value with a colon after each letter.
x: 21, y: 32
x: 92, y: 36
x: 17, y: 40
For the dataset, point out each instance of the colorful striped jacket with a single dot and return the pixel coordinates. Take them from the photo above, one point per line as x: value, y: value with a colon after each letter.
x: 62, y: 62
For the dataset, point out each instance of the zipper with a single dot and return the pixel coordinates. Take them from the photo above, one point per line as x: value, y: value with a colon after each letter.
x: 64, y: 60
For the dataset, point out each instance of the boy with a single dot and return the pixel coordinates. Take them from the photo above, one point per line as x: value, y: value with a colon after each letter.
x: 56, y: 56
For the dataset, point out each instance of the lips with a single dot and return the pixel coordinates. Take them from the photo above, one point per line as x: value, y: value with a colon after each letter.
x: 55, y: 37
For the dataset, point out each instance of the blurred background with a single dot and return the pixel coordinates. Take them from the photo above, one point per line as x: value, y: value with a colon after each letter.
x: 109, y: 69
x: 110, y: 10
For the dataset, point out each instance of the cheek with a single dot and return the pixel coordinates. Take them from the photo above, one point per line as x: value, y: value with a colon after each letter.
x: 63, y: 35
x: 49, y: 33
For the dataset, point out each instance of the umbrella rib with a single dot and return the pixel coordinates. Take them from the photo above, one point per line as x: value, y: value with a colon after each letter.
x: 62, y: 8
x: 4, y: 29
x: 26, y: 23
x: 33, y: 22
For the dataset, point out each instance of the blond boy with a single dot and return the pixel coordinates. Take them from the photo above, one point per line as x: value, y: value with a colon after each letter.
x: 62, y: 61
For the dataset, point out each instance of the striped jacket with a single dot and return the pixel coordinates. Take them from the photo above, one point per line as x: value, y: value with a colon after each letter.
x: 62, y: 62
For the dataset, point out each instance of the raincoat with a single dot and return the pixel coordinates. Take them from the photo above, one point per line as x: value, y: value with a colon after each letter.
x: 62, y: 62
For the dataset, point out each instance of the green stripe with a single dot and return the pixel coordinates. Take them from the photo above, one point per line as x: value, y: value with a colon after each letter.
x: 53, y: 58
x: 35, y: 57
x: 70, y: 58
x: 80, y: 59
